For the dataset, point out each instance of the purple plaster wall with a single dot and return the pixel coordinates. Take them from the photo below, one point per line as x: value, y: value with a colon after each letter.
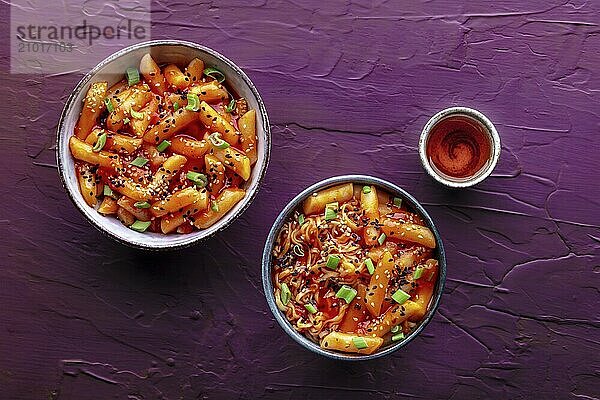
x: 348, y: 86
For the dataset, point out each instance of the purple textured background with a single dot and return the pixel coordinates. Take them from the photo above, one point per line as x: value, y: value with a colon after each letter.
x: 348, y: 87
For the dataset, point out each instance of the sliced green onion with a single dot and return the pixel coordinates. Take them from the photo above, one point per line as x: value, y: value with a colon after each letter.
x: 215, y: 74
x: 216, y: 141
x: 136, y: 114
x: 366, y: 189
x: 331, y: 211
x: 330, y: 214
x: 311, y: 309
x: 332, y: 262
x: 285, y: 294
x: 418, y: 273
x: 163, y: 145
x: 397, y: 201
x: 139, y: 162
x: 381, y: 238
x: 398, y: 336
x: 108, y: 191
x: 193, y: 102
x: 347, y: 293
x: 370, y: 266
x: 400, y: 296
x: 140, y: 226
x: 297, y: 249
x: 301, y: 219
x: 214, y: 207
x: 126, y: 120
x: 175, y: 106
x: 359, y: 342
x: 230, y: 106
x: 197, y: 178
x: 395, y: 329
x: 100, y: 143
x: 141, y: 204
x: 133, y: 76
x: 109, y: 105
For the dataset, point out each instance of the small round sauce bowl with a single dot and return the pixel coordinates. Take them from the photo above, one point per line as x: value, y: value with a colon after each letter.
x: 459, y: 147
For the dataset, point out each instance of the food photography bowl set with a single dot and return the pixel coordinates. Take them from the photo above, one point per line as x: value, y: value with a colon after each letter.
x: 252, y: 219
x: 162, y: 156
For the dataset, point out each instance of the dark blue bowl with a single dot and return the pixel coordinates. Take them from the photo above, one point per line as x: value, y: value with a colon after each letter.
x: 267, y: 263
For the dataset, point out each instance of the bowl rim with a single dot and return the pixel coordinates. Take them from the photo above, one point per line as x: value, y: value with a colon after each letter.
x: 70, y: 103
x: 287, y: 212
x: 480, y: 118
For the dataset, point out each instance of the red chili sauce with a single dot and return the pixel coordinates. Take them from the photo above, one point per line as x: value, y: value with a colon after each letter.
x: 458, y: 147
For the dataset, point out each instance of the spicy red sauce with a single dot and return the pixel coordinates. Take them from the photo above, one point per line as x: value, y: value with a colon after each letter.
x: 458, y: 147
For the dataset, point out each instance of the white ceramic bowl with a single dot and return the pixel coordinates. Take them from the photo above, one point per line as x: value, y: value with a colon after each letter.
x: 112, y: 70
